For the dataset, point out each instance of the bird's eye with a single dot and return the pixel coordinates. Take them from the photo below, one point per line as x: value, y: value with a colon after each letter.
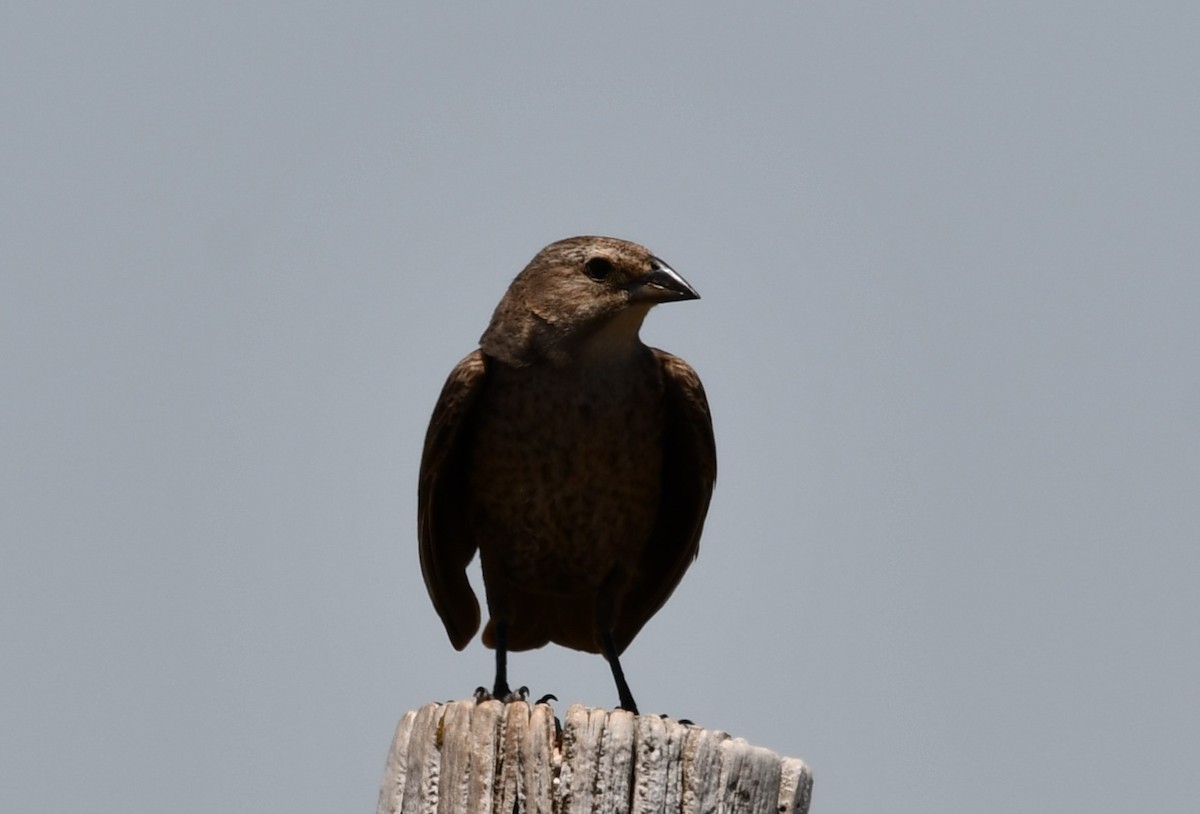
x: 598, y: 268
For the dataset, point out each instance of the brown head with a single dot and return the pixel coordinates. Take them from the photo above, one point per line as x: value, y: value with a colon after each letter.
x: 578, y: 296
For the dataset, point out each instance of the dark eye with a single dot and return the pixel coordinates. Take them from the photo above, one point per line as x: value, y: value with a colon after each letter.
x: 598, y: 268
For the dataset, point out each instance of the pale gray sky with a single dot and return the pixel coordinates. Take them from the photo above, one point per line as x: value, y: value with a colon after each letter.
x: 948, y: 260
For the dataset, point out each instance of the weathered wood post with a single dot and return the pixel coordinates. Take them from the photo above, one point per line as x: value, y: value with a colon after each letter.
x: 465, y: 757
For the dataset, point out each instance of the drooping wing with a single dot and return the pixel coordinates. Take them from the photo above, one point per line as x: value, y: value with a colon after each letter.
x: 689, y: 473
x: 446, y: 543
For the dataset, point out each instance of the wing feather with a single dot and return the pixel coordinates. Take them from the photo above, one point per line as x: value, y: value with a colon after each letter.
x: 446, y: 542
x: 689, y: 474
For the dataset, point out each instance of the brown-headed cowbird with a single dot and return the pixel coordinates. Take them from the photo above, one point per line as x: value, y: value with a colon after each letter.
x: 577, y: 460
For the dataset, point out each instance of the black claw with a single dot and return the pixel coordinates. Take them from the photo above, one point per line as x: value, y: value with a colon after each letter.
x: 506, y: 697
x: 545, y: 699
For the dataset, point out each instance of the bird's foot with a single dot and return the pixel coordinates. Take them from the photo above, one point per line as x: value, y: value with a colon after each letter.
x: 507, y: 696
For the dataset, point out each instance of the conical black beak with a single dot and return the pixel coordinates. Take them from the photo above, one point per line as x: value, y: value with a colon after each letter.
x: 662, y: 284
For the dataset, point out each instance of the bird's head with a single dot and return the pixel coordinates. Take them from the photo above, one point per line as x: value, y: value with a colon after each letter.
x: 583, y: 296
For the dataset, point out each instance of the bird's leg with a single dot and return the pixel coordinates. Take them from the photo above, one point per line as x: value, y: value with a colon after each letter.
x: 500, y: 690
x: 610, y: 653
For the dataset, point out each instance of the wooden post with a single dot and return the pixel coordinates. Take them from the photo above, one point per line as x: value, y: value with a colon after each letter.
x: 466, y: 757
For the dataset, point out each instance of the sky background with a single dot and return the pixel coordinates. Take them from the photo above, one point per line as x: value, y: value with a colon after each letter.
x: 948, y: 259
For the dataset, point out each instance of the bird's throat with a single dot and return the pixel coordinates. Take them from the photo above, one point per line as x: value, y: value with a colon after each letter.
x: 616, y: 339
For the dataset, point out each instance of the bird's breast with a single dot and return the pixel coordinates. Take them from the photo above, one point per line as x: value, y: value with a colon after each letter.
x: 567, y: 472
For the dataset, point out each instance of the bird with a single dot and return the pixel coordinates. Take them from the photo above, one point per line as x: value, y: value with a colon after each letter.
x: 576, y: 460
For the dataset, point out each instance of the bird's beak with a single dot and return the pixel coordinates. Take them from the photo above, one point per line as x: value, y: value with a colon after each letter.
x: 662, y: 284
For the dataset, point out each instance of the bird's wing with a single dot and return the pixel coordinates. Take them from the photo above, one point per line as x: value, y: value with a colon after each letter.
x: 446, y: 543
x: 689, y: 473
